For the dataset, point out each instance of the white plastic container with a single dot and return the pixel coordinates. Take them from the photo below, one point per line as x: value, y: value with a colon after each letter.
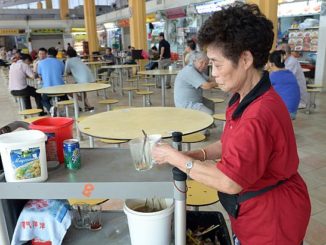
x: 23, y: 156
x: 149, y: 228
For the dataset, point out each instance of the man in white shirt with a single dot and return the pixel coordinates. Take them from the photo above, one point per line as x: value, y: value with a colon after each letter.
x: 292, y: 64
x: 18, y: 73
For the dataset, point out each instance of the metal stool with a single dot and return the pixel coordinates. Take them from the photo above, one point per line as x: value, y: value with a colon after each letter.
x: 146, y: 96
x: 130, y: 94
x: 20, y: 101
x: 200, y: 195
x: 29, y: 112
x: 108, y: 103
x: 192, y: 138
x: 66, y: 104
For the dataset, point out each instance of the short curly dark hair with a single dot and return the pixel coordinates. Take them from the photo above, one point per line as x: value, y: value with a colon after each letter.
x: 237, y: 28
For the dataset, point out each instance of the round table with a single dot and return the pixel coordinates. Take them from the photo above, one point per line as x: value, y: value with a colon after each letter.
x: 74, y: 89
x: 120, y: 68
x: 128, y: 124
x: 163, y: 74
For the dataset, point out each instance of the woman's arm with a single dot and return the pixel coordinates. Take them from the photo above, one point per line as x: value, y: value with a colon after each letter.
x: 202, y: 171
x: 210, y: 152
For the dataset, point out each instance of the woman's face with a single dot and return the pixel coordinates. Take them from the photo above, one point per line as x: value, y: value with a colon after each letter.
x: 229, y: 76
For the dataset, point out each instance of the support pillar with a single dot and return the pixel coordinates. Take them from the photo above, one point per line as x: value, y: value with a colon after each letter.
x: 48, y: 4
x: 64, y: 9
x: 90, y: 24
x: 269, y: 8
x: 137, y: 20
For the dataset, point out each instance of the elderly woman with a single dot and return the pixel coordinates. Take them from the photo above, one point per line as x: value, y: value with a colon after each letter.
x: 257, y: 174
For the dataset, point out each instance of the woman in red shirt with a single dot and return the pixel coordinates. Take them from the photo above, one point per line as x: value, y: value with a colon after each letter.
x: 257, y: 176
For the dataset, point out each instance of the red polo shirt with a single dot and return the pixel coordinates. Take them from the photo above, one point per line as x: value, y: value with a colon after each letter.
x: 259, y: 150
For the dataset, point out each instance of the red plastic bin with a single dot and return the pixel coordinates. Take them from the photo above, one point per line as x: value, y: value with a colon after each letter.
x: 57, y: 129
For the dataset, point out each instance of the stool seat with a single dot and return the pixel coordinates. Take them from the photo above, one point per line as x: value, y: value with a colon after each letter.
x: 102, y: 81
x: 217, y: 100
x: 148, y: 84
x: 108, y: 141
x: 87, y: 201
x: 65, y: 102
x: 108, y: 101
x: 29, y: 112
x: 129, y: 88
x: 131, y: 80
x: 32, y: 119
x: 200, y: 195
x: 313, y: 90
x: 193, y: 138
x: 309, y: 86
x: 219, y: 117
x: 144, y: 92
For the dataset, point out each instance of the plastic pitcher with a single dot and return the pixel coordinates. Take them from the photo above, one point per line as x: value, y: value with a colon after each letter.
x: 23, y: 156
x: 57, y: 130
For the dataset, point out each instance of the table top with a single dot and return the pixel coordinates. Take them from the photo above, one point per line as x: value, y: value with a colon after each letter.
x: 110, y: 172
x: 97, y: 62
x: 73, y: 88
x: 120, y: 66
x: 128, y: 123
x: 159, y: 72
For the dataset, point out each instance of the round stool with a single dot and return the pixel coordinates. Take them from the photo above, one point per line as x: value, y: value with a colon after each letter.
x: 146, y: 96
x: 314, y: 86
x: 200, y: 195
x: 130, y: 90
x: 192, y: 138
x: 65, y: 104
x: 133, y: 80
x: 219, y: 117
x: 20, y: 101
x: 113, y: 142
x: 108, y: 103
x: 312, y: 98
x: 29, y: 112
x: 148, y: 85
x: 55, y: 96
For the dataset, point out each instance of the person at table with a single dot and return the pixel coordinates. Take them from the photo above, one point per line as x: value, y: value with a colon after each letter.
x: 165, y: 57
x: 41, y: 55
x: 189, y: 51
x: 51, y: 71
x: 292, y: 64
x: 190, y: 83
x: 284, y: 82
x: 80, y: 72
x: 129, y: 59
x: 257, y: 171
x: 109, y: 58
x: 18, y: 73
x: 154, y: 56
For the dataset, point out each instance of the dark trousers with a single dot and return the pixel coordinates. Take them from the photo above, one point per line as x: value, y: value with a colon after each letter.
x: 27, y: 93
x: 47, y: 101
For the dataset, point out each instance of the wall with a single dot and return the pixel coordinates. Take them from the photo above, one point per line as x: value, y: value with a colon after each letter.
x: 46, y: 41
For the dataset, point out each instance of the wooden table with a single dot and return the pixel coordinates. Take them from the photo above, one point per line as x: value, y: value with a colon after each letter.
x: 128, y: 123
x: 120, y: 68
x: 74, y: 89
x: 163, y: 74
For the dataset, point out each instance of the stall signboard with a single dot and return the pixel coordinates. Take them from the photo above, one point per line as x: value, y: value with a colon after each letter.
x: 47, y: 31
x: 299, y: 8
x: 11, y: 32
x: 123, y: 23
x: 212, y: 6
x: 81, y: 29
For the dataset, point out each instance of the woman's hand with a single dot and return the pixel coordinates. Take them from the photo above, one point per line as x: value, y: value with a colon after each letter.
x: 162, y: 153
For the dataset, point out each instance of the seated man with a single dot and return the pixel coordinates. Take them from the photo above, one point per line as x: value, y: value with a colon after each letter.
x: 109, y: 58
x: 189, y: 85
x: 18, y: 73
x: 51, y: 71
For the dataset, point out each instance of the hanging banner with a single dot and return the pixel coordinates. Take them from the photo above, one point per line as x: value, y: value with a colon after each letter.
x: 11, y: 32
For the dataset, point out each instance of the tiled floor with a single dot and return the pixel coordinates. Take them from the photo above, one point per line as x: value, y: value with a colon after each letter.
x: 311, y: 140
